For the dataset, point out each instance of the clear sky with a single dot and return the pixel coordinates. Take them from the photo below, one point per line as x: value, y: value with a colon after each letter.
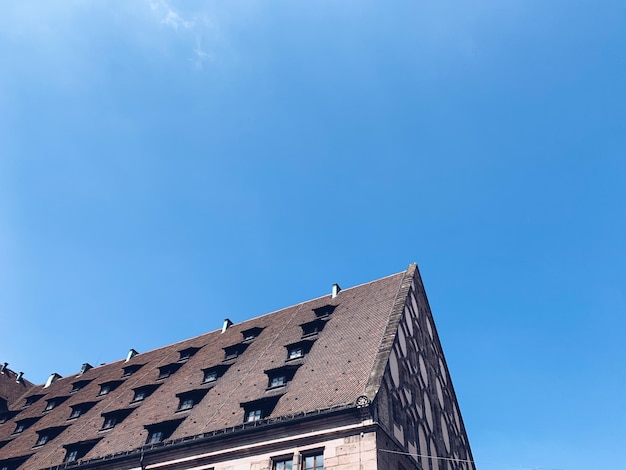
x: 167, y: 164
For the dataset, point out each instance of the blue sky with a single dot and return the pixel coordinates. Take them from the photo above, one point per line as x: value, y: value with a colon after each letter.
x: 164, y: 165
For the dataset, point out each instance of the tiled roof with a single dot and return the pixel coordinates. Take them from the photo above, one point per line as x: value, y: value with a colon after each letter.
x: 337, y: 361
x: 10, y: 388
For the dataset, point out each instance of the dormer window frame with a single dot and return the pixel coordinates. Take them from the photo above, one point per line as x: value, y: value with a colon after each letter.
x: 187, y: 353
x: 143, y: 392
x: 280, y: 376
x: 251, y: 334
x: 167, y: 370
x: 312, y: 328
x: 46, y: 435
x: 108, y: 387
x: 160, y: 432
x: 52, y: 403
x: 299, y: 350
x: 234, y: 351
x: 189, y: 399
x: 113, y: 418
x: 127, y: 371
x: 24, y: 424
x: 258, y: 410
x: 32, y: 399
x: 80, y: 409
x: 79, y: 384
x: 212, y: 374
x: 78, y: 450
x: 325, y: 311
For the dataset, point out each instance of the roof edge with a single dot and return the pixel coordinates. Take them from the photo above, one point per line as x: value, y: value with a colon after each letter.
x: 386, y: 343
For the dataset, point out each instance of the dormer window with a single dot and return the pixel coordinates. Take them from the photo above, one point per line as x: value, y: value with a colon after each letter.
x: 113, y: 418
x: 324, y: 311
x: 24, y: 424
x: 14, y: 463
x: 155, y: 437
x: 186, y: 354
x: 108, y: 387
x: 130, y: 370
x: 46, y: 435
x: 167, y: 370
x: 280, y: 376
x: 141, y: 393
x: 234, y: 351
x: 32, y: 399
x: 76, y: 386
x: 80, y: 409
x: 312, y: 328
x: 251, y: 334
x: 296, y: 352
x: 259, y: 409
x: 213, y: 373
x: 54, y: 402
x: 78, y: 450
x: 161, y: 431
x: 299, y: 349
x: 7, y: 415
x: 187, y: 400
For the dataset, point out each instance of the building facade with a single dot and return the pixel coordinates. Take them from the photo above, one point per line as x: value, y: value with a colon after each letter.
x: 355, y: 380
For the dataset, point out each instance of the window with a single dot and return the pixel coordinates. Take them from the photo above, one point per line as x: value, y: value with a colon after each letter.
x: 259, y: 409
x: 32, y: 399
x: 155, y: 437
x: 234, y: 351
x: 80, y: 409
x: 253, y: 415
x: 46, y: 435
x: 295, y: 353
x: 280, y: 376
x: 251, y: 334
x: 282, y: 463
x: 313, y: 462
x: 108, y: 387
x: 141, y: 393
x: 186, y: 404
x: 113, y: 418
x: 312, y: 328
x: 161, y: 431
x: 72, y: 456
x: 186, y: 354
x: 130, y: 370
x: 167, y: 370
x: 109, y: 422
x: 299, y: 349
x: 78, y: 450
x: 51, y: 404
x: 324, y: 311
x: 278, y: 380
x: 24, y: 424
x: 213, y: 373
x: 187, y: 400
x: 7, y: 415
x: 54, y: 402
x: 76, y: 386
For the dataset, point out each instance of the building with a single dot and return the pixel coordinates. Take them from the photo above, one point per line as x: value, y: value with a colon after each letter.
x: 354, y: 380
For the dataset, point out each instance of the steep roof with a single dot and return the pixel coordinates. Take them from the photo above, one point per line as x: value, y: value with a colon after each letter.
x: 339, y: 339
x: 10, y: 388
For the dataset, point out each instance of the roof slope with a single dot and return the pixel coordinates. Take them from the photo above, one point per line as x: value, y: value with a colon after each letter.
x: 335, y: 370
x: 10, y: 388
